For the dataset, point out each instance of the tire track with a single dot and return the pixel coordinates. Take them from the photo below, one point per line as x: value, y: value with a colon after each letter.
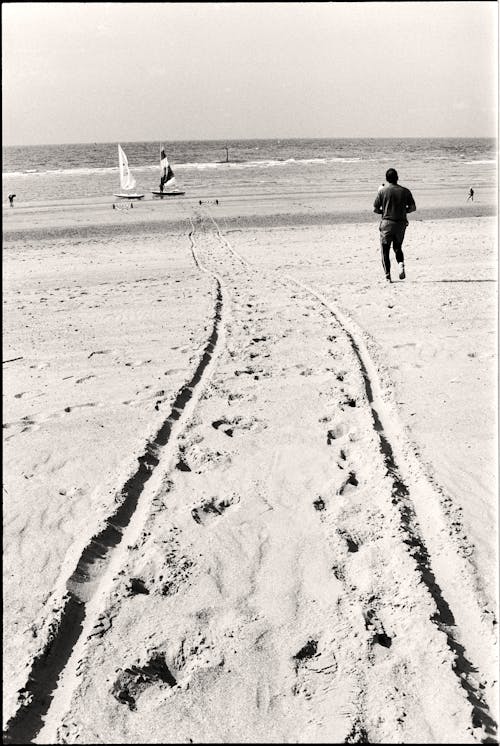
x: 421, y: 538
x: 79, y: 607
x: 355, y: 652
x: 409, y: 486
x: 421, y: 526
x: 403, y: 487
x: 225, y: 242
x: 313, y: 664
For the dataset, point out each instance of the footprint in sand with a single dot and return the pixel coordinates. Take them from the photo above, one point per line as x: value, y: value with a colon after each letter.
x: 236, y: 425
x: 376, y: 628
x: 352, y: 544
x: 232, y: 397
x: 348, y: 402
x: 314, y: 665
x: 198, y: 459
x: 319, y: 504
x: 348, y: 484
x: 132, y: 681
x: 257, y: 373
x: 212, y: 508
x: 334, y: 434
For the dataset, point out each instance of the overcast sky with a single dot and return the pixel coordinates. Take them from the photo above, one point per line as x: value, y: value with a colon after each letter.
x: 77, y: 72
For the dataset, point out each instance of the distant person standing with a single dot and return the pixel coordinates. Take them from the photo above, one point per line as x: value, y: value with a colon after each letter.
x: 11, y: 199
x: 471, y: 195
x: 393, y: 202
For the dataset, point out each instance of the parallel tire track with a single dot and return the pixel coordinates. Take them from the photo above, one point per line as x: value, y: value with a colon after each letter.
x: 420, y: 533
x: 421, y: 523
x: 226, y: 243
x: 107, y: 551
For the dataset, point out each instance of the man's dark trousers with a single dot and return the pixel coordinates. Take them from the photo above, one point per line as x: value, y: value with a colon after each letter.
x: 391, y: 233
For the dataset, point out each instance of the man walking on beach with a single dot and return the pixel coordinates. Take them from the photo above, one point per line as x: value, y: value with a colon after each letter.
x: 393, y: 202
x: 471, y: 195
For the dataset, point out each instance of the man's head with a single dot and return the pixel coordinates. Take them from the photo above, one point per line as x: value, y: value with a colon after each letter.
x: 392, y: 176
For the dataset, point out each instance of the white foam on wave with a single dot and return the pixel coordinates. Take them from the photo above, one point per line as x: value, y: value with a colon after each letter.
x: 73, y: 171
x: 271, y: 163
x: 477, y: 163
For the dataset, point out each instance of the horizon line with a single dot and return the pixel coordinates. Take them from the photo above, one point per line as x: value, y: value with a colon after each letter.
x: 253, y: 139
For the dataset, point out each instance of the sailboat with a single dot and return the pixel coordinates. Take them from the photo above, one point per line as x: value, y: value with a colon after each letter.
x: 167, y: 177
x: 127, y: 181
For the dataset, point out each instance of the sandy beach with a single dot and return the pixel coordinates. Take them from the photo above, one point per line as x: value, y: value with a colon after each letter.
x: 250, y: 488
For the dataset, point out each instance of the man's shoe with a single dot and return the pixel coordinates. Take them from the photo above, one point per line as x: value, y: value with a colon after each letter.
x: 402, y: 271
x: 388, y: 278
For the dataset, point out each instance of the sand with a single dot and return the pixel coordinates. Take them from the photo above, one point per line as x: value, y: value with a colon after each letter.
x: 250, y: 488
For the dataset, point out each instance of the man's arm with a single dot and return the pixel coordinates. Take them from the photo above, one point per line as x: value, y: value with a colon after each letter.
x: 377, y: 207
x: 410, y: 202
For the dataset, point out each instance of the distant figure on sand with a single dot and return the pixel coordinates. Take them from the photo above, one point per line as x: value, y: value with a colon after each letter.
x: 11, y: 199
x: 471, y: 195
x: 393, y: 202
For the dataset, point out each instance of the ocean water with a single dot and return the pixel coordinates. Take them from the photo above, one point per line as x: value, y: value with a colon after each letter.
x: 89, y: 171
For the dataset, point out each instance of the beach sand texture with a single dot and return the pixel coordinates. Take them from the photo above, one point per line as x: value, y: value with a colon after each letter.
x: 250, y: 488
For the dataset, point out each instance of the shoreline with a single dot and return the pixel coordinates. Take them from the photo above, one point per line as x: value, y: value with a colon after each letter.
x: 103, y: 222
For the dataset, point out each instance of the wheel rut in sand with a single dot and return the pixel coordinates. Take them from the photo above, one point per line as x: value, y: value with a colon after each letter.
x: 367, y: 511
x: 421, y: 545
x: 401, y: 497
x: 323, y: 593
x: 46, y: 668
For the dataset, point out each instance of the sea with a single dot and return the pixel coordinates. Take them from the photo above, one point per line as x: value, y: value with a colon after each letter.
x: 88, y: 172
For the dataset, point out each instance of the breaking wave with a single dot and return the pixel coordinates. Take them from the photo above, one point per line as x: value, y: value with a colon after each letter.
x: 234, y: 165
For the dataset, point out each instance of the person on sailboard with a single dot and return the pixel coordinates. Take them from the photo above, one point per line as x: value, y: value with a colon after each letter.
x: 11, y: 199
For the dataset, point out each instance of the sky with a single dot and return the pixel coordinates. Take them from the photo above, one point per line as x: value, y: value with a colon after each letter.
x: 105, y: 72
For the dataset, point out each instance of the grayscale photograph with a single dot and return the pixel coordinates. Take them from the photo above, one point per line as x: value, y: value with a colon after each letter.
x: 250, y: 360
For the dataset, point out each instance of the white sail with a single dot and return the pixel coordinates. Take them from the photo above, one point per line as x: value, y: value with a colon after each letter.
x: 127, y: 181
x: 167, y: 175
